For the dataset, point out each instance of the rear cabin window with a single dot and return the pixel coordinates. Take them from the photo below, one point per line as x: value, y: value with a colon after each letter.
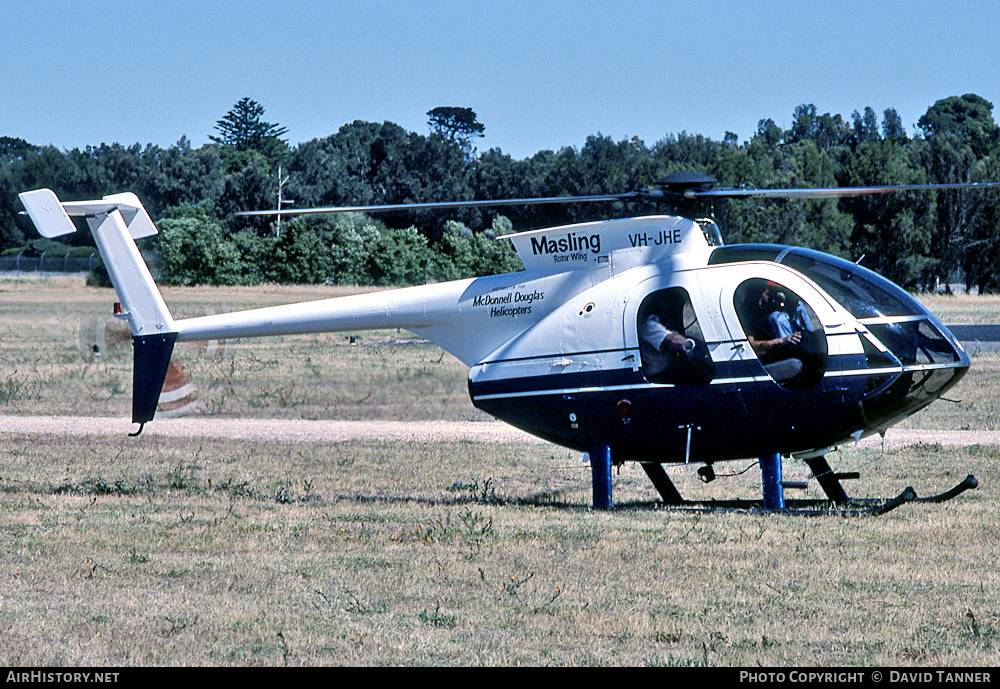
x: 671, y: 345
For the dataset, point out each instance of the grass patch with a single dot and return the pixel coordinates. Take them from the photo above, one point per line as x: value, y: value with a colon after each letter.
x: 384, y: 569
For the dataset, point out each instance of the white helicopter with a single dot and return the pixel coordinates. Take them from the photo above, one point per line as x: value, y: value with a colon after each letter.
x: 643, y: 339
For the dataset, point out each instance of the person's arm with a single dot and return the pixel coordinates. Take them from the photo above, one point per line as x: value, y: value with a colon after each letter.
x: 660, y: 337
x: 674, y: 341
x: 761, y: 346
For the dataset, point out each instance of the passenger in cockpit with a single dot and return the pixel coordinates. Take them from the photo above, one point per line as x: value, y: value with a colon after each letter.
x: 660, y: 345
x: 785, y: 320
x: 671, y: 345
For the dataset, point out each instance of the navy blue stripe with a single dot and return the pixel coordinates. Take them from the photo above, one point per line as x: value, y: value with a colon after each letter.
x: 557, y: 381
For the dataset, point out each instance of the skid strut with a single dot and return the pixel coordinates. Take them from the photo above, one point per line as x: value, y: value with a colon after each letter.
x: 770, y: 475
x: 828, y: 480
x: 600, y: 467
x: 664, y: 486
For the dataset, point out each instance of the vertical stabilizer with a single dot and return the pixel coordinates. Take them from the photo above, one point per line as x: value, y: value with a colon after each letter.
x: 142, y: 305
x: 151, y: 359
x: 115, y: 222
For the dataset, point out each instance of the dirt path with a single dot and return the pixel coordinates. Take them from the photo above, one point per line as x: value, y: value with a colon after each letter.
x: 313, y: 431
x: 271, y: 429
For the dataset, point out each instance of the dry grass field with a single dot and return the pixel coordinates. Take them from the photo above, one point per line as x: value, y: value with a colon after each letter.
x: 198, y: 551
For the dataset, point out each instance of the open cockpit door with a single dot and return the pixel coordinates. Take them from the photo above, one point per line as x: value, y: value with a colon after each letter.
x: 775, y: 320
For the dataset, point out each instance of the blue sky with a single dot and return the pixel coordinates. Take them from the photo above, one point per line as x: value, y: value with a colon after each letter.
x: 540, y: 75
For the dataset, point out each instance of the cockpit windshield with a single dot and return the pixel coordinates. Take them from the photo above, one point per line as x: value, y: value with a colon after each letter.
x: 862, y: 292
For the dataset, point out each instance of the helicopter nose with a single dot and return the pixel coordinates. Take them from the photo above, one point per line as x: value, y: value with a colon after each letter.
x: 928, y: 359
x: 919, y: 341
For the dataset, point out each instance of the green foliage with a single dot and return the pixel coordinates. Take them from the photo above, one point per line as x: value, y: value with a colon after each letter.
x: 968, y: 118
x: 194, y: 250
x: 258, y: 256
x: 401, y: 257
x: 892, y: 125
x: 242, y: 129
x: 914, y: 239
x: 250, y: 186
x: 301, y: 256
x: 37, y: 247
x: 456, y: 125
x: 462, y: 253
x: 892, y: 231
x: 352, y: 238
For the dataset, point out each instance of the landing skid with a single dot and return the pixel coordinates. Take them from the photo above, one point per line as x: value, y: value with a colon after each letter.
x: 805, y: 508
x: 838, y: 502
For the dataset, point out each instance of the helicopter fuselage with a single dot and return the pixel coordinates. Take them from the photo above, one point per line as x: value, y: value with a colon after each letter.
x: 572, y: 348
x: 579, y: 375
x: 642, y: 339
x: 557, y: 350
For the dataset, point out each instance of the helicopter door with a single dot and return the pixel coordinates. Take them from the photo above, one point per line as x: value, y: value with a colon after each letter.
x: 662, y: 326
x: 781, y: 330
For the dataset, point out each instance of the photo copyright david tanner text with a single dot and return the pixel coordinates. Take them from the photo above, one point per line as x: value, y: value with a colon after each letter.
x: 859, y: 676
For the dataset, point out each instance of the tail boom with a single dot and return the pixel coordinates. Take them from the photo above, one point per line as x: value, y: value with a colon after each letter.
x: 450, y: 314
x: 115, y: 222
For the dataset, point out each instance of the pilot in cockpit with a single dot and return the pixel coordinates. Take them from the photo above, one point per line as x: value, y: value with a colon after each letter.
x: 785, y: 333
x: 773, y: 331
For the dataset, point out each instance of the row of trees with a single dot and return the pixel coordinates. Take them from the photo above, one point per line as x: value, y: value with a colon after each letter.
x: 916, y: 239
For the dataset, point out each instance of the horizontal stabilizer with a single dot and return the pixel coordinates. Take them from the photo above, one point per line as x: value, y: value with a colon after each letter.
x: 115, y: 222
x: 136, y: 218
x: 52, y: 217
x: 47, y: 213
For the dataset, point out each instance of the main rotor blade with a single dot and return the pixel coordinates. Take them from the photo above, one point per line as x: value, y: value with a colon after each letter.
x: 646, y: 194
x: 446, y: 204
x: 830, y: 192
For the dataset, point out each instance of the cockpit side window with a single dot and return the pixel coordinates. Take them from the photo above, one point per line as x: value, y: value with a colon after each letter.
x: 784, y: 332
x: 671, y: 345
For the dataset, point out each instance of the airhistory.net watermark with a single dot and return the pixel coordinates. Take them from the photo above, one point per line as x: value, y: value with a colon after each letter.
x: 46, y: 676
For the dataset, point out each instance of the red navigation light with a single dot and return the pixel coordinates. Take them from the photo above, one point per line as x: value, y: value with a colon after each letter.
x: 625, y: 408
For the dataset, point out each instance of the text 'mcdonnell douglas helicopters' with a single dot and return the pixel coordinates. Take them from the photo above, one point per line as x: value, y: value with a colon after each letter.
x: 644, y: 339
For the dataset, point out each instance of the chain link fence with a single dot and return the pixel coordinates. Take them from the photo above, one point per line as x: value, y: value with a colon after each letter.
x: 49, y: 263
